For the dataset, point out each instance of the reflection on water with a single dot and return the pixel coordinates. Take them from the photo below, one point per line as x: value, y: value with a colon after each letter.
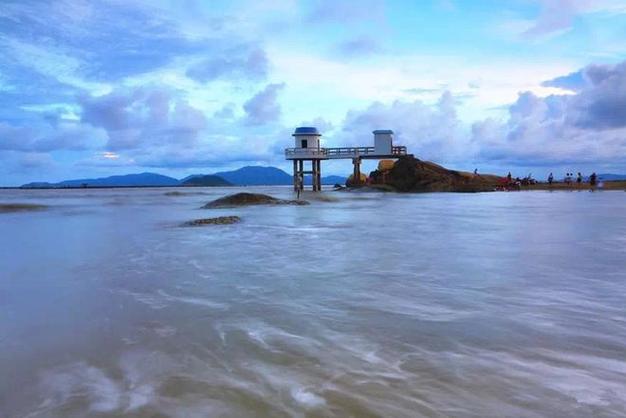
x: 507, y: 304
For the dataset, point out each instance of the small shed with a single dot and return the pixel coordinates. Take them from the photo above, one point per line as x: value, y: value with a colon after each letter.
x: 307, y: 137
x: 383, y: 141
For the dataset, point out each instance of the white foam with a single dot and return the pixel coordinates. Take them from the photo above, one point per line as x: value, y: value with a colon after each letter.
x: 80, y: 379
x: 306, y: 398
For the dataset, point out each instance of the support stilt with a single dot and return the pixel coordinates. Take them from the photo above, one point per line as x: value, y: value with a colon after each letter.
x: 356, y: 174
x: 315, y: 172
x: 295, y: 175
x: 319, y: 175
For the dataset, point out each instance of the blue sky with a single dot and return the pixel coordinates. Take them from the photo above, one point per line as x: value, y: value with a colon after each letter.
x: 93, y: 88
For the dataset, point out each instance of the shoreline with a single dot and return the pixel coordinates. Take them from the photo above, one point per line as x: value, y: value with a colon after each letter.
x: 605, y: 185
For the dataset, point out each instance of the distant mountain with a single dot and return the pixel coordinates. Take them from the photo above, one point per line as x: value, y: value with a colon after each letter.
x: 330, y: 180
x: 128, y: 180
x: 268, y: 176
x: 208, y: 180
x: 256, y: 176
x: 610, y: 177
x: 245, y: 176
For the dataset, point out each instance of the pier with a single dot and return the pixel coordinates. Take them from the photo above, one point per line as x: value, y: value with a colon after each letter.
x: 308, y: 148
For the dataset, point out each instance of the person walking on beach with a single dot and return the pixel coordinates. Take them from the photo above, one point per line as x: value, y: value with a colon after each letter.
x: 579, y: 178
x: 568, y: 178
x: 509, y: 177
x: 593, y: 179
x: 550, y: 179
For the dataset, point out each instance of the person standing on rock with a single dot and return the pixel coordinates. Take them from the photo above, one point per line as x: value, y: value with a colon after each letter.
x: 550, y: 179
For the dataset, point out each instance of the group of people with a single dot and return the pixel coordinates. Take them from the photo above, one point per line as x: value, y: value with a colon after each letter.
x: 515, y: 183
x: 569, y: 178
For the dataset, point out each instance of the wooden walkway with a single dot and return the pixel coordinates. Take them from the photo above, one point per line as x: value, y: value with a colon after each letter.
x: 341, y: 153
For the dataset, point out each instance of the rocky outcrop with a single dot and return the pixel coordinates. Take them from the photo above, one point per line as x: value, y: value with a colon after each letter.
x: 249, y: 199
x: 20, y: 207
x: 222, y: 220
x: 350, y: 180
x: 409, y: 174
x: 206, y: 181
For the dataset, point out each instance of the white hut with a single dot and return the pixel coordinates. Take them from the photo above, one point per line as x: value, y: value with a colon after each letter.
x: 383, y: 141
x: 307, y: 137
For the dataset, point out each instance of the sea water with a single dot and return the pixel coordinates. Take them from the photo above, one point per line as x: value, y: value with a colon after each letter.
x: 358, y: 305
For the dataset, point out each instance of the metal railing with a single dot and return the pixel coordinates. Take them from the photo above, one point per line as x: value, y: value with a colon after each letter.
x: 341, y: 152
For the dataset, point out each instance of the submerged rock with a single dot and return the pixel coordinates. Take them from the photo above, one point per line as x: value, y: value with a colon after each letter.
x: 221, y: 220
x: 20, y: 207
x: 175, y: 193
x: 248, y: 199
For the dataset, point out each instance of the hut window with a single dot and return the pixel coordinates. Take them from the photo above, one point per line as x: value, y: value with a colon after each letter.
x: 304, y: 143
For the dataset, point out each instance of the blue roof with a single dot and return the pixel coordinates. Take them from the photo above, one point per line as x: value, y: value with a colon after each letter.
x: 306, y: 130
x: 382, y: 131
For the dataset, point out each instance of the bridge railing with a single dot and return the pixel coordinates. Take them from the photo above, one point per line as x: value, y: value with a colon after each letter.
x: 340, y: 152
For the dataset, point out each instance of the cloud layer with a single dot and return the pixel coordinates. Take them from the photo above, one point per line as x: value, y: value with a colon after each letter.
x: 88, y: 88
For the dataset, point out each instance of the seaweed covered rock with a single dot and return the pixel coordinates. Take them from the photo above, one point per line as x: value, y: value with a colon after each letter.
x: 221, y: 220
x: 20, y: 207
x: 409, y: 174
x: 249, y: 199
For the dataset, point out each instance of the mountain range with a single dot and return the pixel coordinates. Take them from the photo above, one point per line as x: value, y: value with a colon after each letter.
x: 612, y: 177
x: 245, y: 176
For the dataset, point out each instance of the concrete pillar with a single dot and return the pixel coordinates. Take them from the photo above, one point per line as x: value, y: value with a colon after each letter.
x: 319, y: 175
x: 356, y: 174
x: 295, y: 175
x: 301, y: 173
x: 314, y: 175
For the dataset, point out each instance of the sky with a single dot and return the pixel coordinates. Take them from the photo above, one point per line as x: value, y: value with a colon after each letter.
x: 95, y: 88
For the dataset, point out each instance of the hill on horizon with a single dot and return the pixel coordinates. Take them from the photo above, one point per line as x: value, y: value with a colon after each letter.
x: 207, y: 181
x: 124, y: 180
x: 611, y: 177
x: 268, y: 176
x: 244, y: 176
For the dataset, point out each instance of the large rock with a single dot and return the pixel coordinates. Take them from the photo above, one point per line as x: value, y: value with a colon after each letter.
x: 362, y: 180
x: 221, y: 220
x: 409, y: 174
x: 249, y: 199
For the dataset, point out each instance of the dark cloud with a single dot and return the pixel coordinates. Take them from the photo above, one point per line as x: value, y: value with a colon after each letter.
x: 237, y: 62
x: 45, y: 138
x: 574, y: 81
x: 16, y: 138
x: 602, y: 105
x: 110, y: 39
x: 589, y: 126
x: 263, y: 107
